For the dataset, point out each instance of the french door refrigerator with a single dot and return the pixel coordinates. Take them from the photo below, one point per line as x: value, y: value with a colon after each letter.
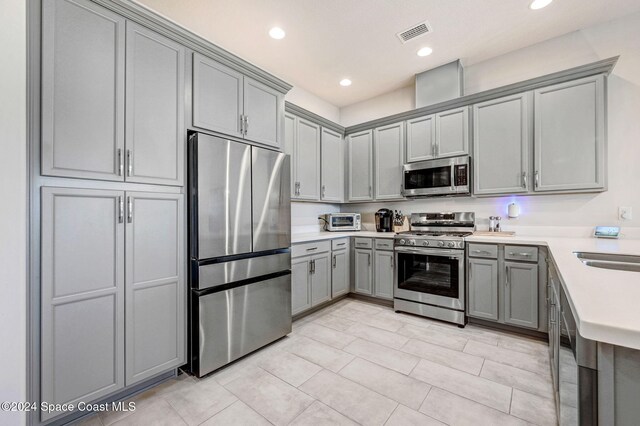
x: 240, y: 238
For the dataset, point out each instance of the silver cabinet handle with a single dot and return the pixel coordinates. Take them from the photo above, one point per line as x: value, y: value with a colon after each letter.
x: 241, y: 124
x: 524, y: 180
x: 369, y: 258
x: 313, y: 263
x: 537, y: 179
x: 341, y: 244
x: 334, y: 261
x: 129, y: 210
x: 312, y: 249
x: 120, y: 209
x: 120, y: 163
x: 246, y: 124
x: 506, y: 277
x: 470, y: 269
x: 129, y: 163
x: 481, y: 252
x: 519, y: 254
x: 392, y: 263
x: 310, y: 267
x: 324, y: 189
x: 370, y: 191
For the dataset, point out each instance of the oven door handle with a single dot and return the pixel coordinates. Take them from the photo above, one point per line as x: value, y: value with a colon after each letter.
x: 432, y: 251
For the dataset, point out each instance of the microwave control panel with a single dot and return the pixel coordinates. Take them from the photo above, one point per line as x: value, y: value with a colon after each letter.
x: 461, y: 175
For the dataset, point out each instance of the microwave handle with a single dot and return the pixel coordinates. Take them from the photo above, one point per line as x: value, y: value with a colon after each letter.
x: 453, y: 177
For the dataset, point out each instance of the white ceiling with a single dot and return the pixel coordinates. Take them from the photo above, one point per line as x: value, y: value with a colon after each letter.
x: 328, y: 40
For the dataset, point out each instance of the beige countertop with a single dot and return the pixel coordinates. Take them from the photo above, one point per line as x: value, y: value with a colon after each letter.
x: 604, y: 302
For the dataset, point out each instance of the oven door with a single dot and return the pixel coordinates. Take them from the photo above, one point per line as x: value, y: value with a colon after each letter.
x: 432, y: 276
x: 449, y: 176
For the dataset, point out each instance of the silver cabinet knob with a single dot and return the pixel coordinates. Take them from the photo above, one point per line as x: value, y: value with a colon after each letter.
x: 412, y: 242
x: 402, y: 241
x: 425, y: 243
x: 440, y: 243
x: 451, y: 244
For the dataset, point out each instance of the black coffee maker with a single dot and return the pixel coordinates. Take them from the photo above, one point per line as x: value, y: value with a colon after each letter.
x: 384, y: 220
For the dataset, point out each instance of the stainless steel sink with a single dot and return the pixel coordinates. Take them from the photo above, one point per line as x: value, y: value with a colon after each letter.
x: 620, y: 262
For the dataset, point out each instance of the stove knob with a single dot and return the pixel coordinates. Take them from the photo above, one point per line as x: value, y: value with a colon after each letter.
x: 451, y: 244
x: 425, y: 243
x: 440, y: 243
x: 402, y: 241
x: 412, y: 242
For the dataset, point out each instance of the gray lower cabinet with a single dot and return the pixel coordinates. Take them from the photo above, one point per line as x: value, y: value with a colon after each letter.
x: 112, y: 307
x: 320, y: 279
x: 83, y: 89
x: 363, y: 271
x: 383, y: 275
x: 228, y: 102
x: 310, y: 281
x: 483, y: 288
x: 360, y: 167
x: 300, y: 290
x: 570, y: 148
x: 154, y: 126
x: 501, y: 133
x: 340, y: 273
x: 154, y: 285
x: 331, y: 166
x: 82, y: 295
x: 521, y: 294
x: 389, y: 159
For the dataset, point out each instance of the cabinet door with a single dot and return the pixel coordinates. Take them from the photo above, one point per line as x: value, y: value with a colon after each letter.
x: 569, y: 144
x: 263, y: 111
x: 82, y: 299
x: 83, y: 49
x: 452, y: 132
x: 155, y: 284
x: 389, y: 159
x: 217, y: 96
x: 421, y: 136
x: 363, y: 271
x: 501, y: 145
x: 483, y: 288
x: 321, y: 279
x: 340, y: 273
x: 307, y: 151
x: 332, y: 166
x: 300, y: 281
x: 521, y: 294
x: 360, y: 180
x: 155, y: 108
x: 384, y: 271
x: 290, y: 124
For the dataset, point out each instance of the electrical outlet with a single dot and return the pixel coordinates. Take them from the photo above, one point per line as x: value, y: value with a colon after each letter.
x: 625, y: 213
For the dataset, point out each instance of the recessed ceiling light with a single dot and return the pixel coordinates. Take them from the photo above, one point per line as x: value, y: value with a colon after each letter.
x: 277, y: 33
x: 425, y: 51
x: 345, y: 82
x: 539, y: 4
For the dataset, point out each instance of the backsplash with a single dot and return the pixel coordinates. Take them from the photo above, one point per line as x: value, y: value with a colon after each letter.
x: 304, y: 216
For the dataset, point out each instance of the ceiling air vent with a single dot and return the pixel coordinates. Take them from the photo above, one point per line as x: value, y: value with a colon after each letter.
x: 413, y: 32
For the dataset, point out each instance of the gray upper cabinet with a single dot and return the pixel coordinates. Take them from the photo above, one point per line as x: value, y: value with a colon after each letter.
x: 332, y: 166
x: 421, y: 136
x: 83, y: 83
x: 452, y: 132
x: 521, y: 294
x: 82, y: 299
x: 483, y: 289
x: 389, y: 158
x: 155, y: 284
x: 360, y: 175
x: 217, y: 97
x: 501, y: 129
x: 384, y: 272
x: 263, y: 112
x: 290, y: 123
x: 307, y: 160
x: 363, y: 271
x: 570, y: 136
x: 154, y: 108
x: 225, y: 101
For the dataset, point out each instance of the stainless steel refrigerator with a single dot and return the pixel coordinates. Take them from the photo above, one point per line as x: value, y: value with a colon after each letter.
x: 240, y: 238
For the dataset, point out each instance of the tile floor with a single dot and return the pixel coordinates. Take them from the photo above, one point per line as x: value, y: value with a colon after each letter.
x: 359, y: 363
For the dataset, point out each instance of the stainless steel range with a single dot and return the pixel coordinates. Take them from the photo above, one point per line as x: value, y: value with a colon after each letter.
x: 430, y: 272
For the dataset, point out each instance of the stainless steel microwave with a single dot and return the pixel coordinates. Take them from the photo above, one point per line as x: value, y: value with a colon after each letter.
x: 446, y: 176
x: 342, y: 221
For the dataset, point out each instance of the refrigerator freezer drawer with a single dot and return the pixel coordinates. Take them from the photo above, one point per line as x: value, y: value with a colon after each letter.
x: 216, y: 274
x: 238, y: 321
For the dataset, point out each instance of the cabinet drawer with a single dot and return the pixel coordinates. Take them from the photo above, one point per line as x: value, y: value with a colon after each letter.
x: 384, y: 243
x: 528, y: 253
x: 313, y: 247
x: 483, y: 250
x: 365, y: 243
x: 340, y: 244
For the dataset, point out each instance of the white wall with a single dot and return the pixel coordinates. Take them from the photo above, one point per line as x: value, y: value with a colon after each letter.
x: 400, y: 100
x: 311, y: 102
x: 13, y: 206
x: 620, y: 37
